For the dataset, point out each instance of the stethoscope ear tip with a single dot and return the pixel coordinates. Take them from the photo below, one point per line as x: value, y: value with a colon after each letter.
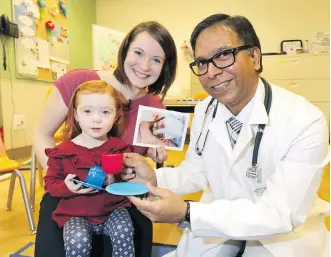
x: 197, y: 151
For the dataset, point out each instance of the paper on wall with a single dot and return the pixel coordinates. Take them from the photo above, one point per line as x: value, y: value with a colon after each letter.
x: 25, y: 45
x: 27, y: 31
x: 27, y: 7
x: 61, y: 34
x: 34, y: 10
x: 59, y: 45
x: 106, y: 43
x: 27, y: 66
x: 42, y: 54
x: 23, y: 3
x: 25, y: 20
x: 28, y: 42
x: 59, y: 52
x: 58, y: 69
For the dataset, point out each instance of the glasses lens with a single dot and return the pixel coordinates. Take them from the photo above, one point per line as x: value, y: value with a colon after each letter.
x: 224, y: 59
x: 221, y: 60
x: 199, y: 68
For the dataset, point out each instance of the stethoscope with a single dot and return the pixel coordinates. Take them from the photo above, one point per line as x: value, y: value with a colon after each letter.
x: 252, y: 172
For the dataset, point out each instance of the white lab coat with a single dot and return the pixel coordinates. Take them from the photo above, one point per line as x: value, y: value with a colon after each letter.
x: 283, y: 212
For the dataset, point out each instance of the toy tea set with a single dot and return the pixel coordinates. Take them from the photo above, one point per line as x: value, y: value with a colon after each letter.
x: 112, y: 164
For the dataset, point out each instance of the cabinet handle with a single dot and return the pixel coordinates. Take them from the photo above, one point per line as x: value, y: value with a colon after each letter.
x: 289, y: 62
x: 294, y: 84
x: 294, y: 61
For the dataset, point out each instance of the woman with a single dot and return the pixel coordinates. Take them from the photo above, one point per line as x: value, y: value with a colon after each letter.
x: 147, y: 62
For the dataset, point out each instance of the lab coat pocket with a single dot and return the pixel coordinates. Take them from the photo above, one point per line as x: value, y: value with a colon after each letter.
x: 264, y: 171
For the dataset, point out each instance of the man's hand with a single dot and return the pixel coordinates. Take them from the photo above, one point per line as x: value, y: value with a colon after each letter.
x: 138, y: 170
x: 168, y: 208
x: 77, y: 188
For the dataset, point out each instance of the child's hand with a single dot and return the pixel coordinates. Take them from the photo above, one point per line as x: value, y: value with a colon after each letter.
x: 109, y: 179
x: 77, y: 188
x: 128, y: 173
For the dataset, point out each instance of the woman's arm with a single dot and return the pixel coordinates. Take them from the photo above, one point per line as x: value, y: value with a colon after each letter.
x: 52, y: 117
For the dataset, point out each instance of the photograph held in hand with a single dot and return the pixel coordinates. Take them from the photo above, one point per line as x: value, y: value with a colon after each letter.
x: 156, y: 127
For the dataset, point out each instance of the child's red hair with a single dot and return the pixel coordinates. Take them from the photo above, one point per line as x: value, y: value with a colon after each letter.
x: 72, y: 129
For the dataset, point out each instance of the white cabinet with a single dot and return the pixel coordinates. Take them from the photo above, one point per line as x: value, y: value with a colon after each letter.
x: 305, y: 74
x: 314, y: 90
x: 299, y: 66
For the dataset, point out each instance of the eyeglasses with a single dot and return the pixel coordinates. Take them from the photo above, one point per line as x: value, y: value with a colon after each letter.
x: 220, y: 60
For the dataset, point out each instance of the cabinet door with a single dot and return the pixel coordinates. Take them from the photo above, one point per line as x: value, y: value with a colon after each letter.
x: 305, y: 66
x: 314, y: 90
x: 325, y: 108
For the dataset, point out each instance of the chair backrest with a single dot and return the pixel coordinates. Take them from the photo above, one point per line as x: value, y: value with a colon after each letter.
x: 3, y: 154
x: 324, y: 189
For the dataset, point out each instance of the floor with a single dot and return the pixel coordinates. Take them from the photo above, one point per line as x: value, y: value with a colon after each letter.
x: 14, y: 229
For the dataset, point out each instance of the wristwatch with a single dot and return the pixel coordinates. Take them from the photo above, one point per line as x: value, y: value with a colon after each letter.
x: 186, y: 222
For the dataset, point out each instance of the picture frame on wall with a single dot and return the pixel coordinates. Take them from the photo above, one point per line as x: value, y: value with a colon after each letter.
x: 290, y: 46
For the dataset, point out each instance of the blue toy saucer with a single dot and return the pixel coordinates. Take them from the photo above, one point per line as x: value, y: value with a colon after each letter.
x: 87, y: 184
x: 127, y: 189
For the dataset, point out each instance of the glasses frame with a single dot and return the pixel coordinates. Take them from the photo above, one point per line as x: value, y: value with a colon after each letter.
x: 234, y: 51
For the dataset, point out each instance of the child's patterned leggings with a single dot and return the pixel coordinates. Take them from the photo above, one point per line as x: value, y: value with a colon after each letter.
x: 77, y: 234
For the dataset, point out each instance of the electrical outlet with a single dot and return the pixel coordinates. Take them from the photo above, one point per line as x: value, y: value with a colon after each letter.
x: 19, y: 122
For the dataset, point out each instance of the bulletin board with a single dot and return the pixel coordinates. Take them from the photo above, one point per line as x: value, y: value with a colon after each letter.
x: 42, y: 49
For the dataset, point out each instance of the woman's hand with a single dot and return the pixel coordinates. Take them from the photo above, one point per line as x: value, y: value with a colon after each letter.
x: 157, y: 154
x: 77, y: 188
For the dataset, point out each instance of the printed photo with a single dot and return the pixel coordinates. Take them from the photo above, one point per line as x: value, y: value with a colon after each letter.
x: 160, y: 127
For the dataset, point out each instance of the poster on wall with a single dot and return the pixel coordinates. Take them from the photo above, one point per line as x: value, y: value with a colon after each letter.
x: 59, y: 44
x: 42, y: 53
x: 26, y: 50
x: 106, y: 42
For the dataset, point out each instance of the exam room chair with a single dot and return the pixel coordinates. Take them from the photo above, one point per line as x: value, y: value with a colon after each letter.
x: 8, y: 166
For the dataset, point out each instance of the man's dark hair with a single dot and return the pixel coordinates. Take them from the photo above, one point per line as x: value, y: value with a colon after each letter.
x: 241, y: 25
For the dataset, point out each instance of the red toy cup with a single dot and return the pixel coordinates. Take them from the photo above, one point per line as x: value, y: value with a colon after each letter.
x: 112, y: 163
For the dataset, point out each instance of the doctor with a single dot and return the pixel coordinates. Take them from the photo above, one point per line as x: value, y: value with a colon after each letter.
x: 257, y: 150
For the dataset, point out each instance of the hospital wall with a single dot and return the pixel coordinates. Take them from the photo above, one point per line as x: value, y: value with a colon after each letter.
x: 273, y: 21
x: 27, y: 97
